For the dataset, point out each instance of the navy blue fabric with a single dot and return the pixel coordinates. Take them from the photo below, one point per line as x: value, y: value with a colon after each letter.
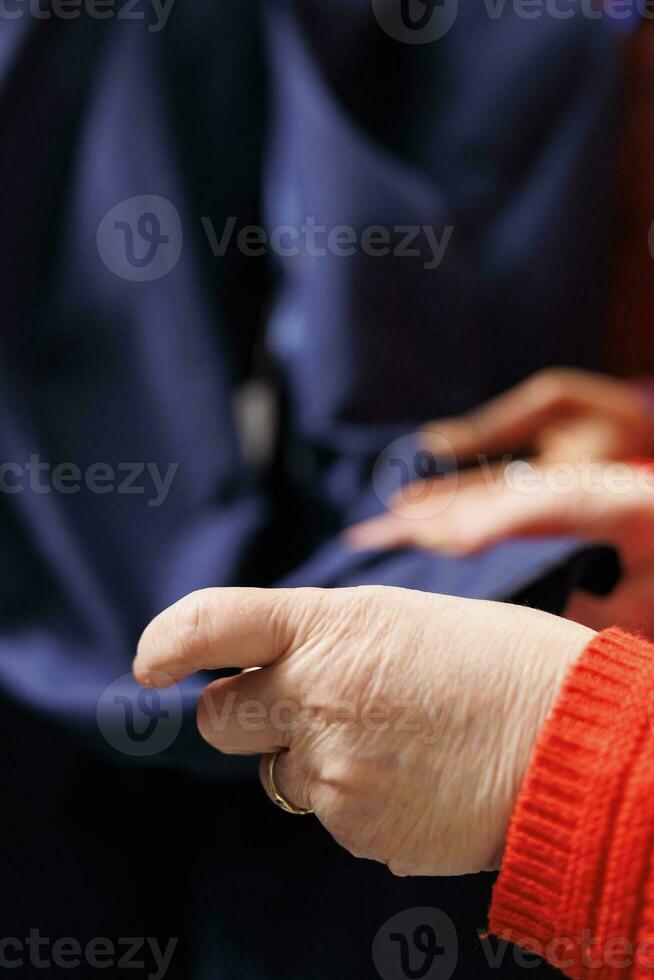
x: 501, y: 129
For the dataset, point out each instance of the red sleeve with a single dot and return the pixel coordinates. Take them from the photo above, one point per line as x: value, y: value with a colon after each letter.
x: 577, y: 878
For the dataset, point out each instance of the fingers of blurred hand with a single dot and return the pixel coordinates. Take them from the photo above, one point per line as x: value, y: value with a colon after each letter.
x: 248, y: 714
x: 506, y: 423
x: 291, y: 777
x: 513, y: 420
x: 591, y: 436
x: 421, y: 498
x: 386, y: 532
x: 447, y: 533
x: 476, y: 519
x: 216, y: 628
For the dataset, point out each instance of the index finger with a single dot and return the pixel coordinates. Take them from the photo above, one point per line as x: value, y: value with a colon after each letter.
x: 216, y: 628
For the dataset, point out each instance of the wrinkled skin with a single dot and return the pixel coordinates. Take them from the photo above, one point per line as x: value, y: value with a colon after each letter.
x: 408, y: 719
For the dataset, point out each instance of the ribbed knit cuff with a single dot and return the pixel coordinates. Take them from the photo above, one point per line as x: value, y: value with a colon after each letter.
x: 577, y: 878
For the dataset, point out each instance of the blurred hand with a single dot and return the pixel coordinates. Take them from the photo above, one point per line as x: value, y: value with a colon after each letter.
x: 407, y: 720
x: 556, y: 414
x: 611, y: 503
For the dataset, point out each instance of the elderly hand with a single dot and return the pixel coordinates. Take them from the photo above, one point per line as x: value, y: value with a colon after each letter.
x: 406, y: 721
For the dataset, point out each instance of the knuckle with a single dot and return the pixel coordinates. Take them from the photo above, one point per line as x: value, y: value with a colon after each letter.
x: 550, y: 385
x: 192, y: 626
x: 341, y: 777
x: 399, y: 870
x: 337, y: 804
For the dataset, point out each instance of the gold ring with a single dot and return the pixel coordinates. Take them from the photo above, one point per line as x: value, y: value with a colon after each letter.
x: 280, y: 800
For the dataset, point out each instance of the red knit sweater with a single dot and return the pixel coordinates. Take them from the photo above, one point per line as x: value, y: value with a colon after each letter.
x: 577, y: 879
